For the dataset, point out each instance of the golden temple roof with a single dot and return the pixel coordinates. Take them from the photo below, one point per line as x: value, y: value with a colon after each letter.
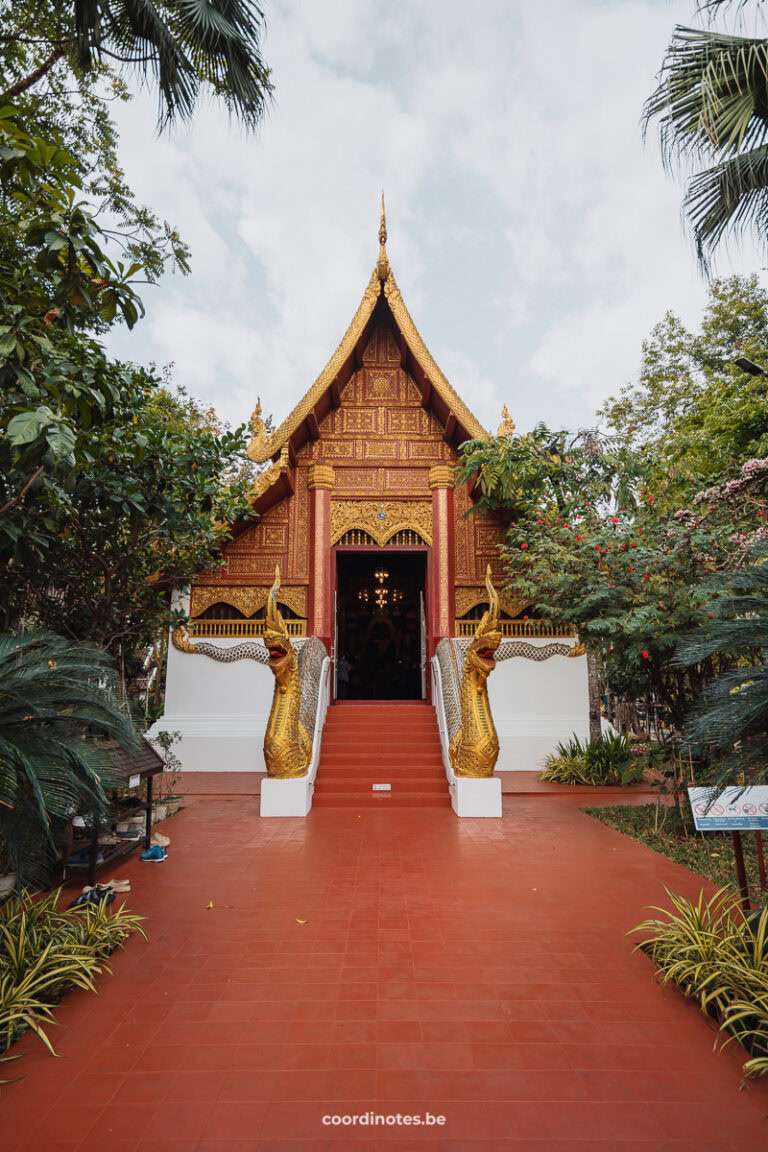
x: 382, y: 283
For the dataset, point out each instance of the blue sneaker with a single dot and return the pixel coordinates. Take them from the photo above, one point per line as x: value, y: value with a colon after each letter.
x: 154, y: 854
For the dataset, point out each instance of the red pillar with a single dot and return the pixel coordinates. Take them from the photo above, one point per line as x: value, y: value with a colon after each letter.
x: 320, y: 607
x: 442, y: 600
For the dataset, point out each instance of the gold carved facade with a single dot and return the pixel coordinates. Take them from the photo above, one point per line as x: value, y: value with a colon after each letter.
x: 245, y: 600
x: 381, y: 519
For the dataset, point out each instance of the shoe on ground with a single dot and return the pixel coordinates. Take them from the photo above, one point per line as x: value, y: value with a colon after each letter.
x: 155, y: 855
x: 162, y: 840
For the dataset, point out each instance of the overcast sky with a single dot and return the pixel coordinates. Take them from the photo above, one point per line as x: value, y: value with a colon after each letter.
x: 535, y: 239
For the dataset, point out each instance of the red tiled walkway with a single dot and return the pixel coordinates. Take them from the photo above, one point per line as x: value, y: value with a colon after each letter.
x: 476, y: 969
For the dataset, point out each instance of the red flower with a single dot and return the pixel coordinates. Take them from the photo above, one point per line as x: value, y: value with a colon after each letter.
x: 578, y: 537
x: 710, y: 613
x: 523, y: 545
x: 646, y: 576
x: 651, y: 499
x: 614, y: 519
x: 644, y: 655
x: 539, y: 521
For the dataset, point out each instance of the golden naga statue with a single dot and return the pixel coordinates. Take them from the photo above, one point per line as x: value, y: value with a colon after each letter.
x: 287, y: 744
x: 474, y: 749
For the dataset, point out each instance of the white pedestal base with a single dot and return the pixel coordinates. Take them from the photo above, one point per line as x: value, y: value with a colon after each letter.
x: 476, y: 797
x: 286, y: 797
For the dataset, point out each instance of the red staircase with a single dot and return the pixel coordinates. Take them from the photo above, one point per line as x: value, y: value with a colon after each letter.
x: 388, y: 742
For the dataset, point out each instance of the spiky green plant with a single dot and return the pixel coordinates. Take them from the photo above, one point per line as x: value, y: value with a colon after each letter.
x: 729, y: 725
x: 605, y: 760
x: 719, y: 957
x: 45, y: 951
x: 57, y: 705
x: 711, y: 102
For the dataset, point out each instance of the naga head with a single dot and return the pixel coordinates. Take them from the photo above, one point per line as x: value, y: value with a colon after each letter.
x: 282, y: 657
x: 481, y: 655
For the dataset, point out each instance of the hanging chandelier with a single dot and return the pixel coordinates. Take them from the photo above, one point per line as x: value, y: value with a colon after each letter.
x: 381, y: 593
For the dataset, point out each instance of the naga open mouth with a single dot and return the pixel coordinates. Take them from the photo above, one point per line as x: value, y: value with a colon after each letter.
x: 276, y: 653
x: 487, y: 655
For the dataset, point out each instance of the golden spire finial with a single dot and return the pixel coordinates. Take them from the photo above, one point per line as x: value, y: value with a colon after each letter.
x: 382, y: 264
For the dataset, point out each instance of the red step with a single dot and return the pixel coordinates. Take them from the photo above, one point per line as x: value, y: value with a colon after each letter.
x: 381, y: 742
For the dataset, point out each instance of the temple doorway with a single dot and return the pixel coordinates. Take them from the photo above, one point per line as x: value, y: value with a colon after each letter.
x: 380, y: 625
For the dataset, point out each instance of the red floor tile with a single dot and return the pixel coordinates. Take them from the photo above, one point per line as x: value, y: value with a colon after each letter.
x: 476, y: 968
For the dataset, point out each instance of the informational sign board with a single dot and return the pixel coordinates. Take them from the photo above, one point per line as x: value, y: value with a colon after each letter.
x: 134, y: 781
x: 382, y: 787
x: 733, y: 810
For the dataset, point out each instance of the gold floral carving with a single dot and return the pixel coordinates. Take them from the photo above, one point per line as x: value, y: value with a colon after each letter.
x: 467, y: 598
x: 246, y: 600
x: 366, y: 515
x: 382, y: 281
x: 441, y: 476
x: 320, y: 476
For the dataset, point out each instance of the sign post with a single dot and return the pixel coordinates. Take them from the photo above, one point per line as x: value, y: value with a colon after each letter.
x: 733, y: 810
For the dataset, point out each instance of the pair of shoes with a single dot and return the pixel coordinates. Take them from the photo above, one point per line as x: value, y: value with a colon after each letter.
x: 112, y: 886
x: 159, y: 838
x: 156, y: 854
x: 97, y: 895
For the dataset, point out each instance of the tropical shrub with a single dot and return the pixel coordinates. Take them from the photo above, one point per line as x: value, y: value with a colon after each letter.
x: 45, y: 951
x: 718, y: 956
x: 57, y: 706
x: 606, y: 760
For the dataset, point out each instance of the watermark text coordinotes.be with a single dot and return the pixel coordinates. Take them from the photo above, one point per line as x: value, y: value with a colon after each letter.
x: 383, y: 1119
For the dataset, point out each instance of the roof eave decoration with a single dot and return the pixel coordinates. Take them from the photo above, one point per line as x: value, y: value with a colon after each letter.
x: 265, y: 445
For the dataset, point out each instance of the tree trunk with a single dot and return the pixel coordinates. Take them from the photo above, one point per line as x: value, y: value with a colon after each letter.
x: 593, y: 681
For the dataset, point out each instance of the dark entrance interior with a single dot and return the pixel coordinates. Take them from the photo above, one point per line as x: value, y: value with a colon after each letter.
x: 378, y: 641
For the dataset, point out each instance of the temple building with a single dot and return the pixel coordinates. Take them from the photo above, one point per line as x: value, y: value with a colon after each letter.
x: 379, y: 556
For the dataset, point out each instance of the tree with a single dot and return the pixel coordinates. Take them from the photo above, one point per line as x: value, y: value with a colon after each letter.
x: 711, y: 101
x: 589, y: 544
x: 70, y: 108
x: 184, y: 47
x: 524, y: 479
x: 730, y: 719
x: 106, y: 478
x: 57, y: 287
x: 56, y: 697
x: 694, y: 414
x: 148, y: 505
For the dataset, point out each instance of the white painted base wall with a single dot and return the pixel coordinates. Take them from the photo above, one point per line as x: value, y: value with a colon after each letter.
x: 221, y: 710
x: 535, y: 704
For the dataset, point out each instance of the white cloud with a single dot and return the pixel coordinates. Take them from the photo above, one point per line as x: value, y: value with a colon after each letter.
x: 535, y: 239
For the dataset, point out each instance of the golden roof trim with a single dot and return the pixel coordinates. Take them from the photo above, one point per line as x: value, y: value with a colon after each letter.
x: 271, y: 444
x: 382, y: 280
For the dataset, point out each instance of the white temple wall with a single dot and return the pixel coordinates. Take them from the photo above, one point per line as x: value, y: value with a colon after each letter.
x: 221, y: 710
x: 535, y: 704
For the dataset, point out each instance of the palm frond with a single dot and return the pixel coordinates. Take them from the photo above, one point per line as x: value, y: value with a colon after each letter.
x: 711, y: 96
x: 184, y: 46
x: 731, y: 197
x: 58, y: 713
